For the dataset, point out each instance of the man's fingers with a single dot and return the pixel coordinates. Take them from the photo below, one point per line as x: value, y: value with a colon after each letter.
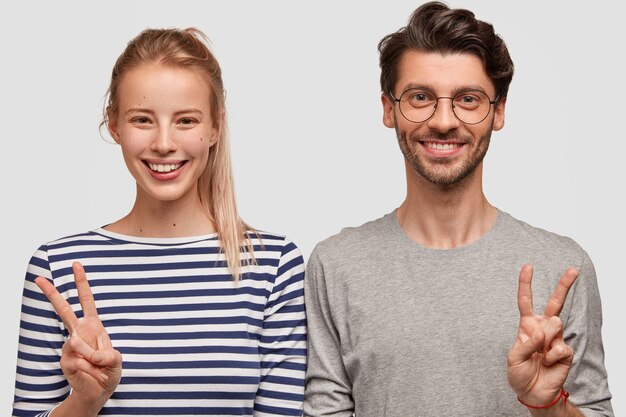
x: 553, y: 329
x: 558, y: 352
x: 85, y: 296
x: 524, y: 291
x: 522, y: 351
x: 557, y: 300
x: 60, y: 304
x: 555, y: 349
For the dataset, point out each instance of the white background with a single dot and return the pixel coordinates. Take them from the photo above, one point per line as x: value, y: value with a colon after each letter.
x: 309, y: 150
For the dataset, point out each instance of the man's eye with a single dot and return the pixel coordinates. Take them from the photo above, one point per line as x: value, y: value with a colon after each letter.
x: 419, y: 98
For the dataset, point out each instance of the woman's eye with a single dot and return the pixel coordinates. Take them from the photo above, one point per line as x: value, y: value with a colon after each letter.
x: 140, y: 120
x: 187, y: 121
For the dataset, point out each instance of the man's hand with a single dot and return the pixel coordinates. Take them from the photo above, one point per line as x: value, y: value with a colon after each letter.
x: 539, y: 361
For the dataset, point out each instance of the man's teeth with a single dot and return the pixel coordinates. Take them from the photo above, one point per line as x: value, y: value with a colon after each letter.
x: 164, y: 167
x: 443, y: 146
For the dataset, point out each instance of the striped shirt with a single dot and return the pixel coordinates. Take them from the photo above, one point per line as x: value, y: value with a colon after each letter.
x: 193, y: 341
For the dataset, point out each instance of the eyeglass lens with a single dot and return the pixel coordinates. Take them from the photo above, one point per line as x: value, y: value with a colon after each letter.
x: 470, y: 107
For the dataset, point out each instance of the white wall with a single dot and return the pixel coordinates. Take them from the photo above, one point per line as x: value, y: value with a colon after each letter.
x: 303, y: 98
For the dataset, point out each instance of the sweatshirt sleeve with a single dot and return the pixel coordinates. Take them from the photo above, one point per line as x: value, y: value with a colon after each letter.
x: 283, y: 340
x: 39, y: 382
x: 328, y: 389
x: 587, y: 379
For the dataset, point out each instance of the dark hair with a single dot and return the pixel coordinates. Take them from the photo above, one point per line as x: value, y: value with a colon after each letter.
x: 434, y: 27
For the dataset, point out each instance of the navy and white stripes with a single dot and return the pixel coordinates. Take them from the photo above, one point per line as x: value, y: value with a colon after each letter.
x: 193, y: 342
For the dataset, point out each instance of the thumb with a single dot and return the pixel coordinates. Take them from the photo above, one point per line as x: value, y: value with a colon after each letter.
x: 522, y: 351
x: 110, y: 357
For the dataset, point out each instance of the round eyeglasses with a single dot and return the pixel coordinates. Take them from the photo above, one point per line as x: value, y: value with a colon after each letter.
x: 470, y: 107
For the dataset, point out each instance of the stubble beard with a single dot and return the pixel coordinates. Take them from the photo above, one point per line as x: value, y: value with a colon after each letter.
x: 441, y: 171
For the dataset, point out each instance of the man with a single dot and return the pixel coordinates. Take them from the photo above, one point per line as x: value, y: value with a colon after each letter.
x: 414, y: 314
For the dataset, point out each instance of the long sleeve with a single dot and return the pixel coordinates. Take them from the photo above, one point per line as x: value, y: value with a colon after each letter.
x: 283, y: 341
x: 328, y: 388
x: 39, y: 384
x: 587, y: 380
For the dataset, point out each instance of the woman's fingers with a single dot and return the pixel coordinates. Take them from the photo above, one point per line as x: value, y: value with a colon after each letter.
x: 72, y: 364
x: 60, y: 304
x: 85, y: 296
x: 101, y: 357
x: 79, y: 356
x: 76, y: 345
x: 110, y: 358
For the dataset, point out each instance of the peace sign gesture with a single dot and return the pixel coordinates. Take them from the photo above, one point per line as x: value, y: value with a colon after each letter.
x: 539, y: 361
x: 89, y: 362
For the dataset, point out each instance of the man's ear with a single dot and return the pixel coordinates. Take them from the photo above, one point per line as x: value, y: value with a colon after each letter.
x: 388, y: 111
x: 498, y: 120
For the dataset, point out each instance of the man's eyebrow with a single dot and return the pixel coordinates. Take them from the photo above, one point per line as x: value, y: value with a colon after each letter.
x: 465, y: 88
x: 419, y: 86
x: 454, y: 92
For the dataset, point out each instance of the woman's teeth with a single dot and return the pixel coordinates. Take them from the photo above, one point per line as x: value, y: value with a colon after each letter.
x: 164, y: 167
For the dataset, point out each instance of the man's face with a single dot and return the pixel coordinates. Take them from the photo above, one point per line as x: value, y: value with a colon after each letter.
x: 443, y: 150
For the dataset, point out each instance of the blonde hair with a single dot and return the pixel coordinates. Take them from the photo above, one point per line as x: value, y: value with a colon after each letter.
x: 187, y: 48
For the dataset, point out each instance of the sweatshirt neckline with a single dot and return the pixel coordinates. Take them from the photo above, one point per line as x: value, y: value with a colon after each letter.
x: 476, y: 245
x: 153, y: 240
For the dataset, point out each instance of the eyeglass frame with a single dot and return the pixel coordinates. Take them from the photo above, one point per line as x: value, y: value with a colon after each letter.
x: 397, y: 100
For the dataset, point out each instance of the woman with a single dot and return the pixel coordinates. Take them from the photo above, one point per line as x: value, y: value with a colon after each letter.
x: 206, y: 313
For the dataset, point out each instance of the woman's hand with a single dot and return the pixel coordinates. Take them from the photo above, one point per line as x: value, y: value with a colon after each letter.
x: 89, y: 362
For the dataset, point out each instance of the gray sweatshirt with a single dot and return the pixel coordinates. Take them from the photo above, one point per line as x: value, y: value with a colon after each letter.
x: 399, y: 329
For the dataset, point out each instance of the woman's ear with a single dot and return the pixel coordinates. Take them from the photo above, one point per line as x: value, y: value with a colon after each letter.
x: 111, y: 123
x: 216, y: 131
x: 215, y: 135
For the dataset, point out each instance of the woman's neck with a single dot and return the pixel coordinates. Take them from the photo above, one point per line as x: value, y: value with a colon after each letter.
x: 154, y: 218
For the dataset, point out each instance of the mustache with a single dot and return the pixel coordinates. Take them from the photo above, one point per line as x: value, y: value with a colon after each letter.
x: 434, y: 135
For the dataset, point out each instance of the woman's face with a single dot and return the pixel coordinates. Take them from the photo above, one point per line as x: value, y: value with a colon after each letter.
x: 165, y: 127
